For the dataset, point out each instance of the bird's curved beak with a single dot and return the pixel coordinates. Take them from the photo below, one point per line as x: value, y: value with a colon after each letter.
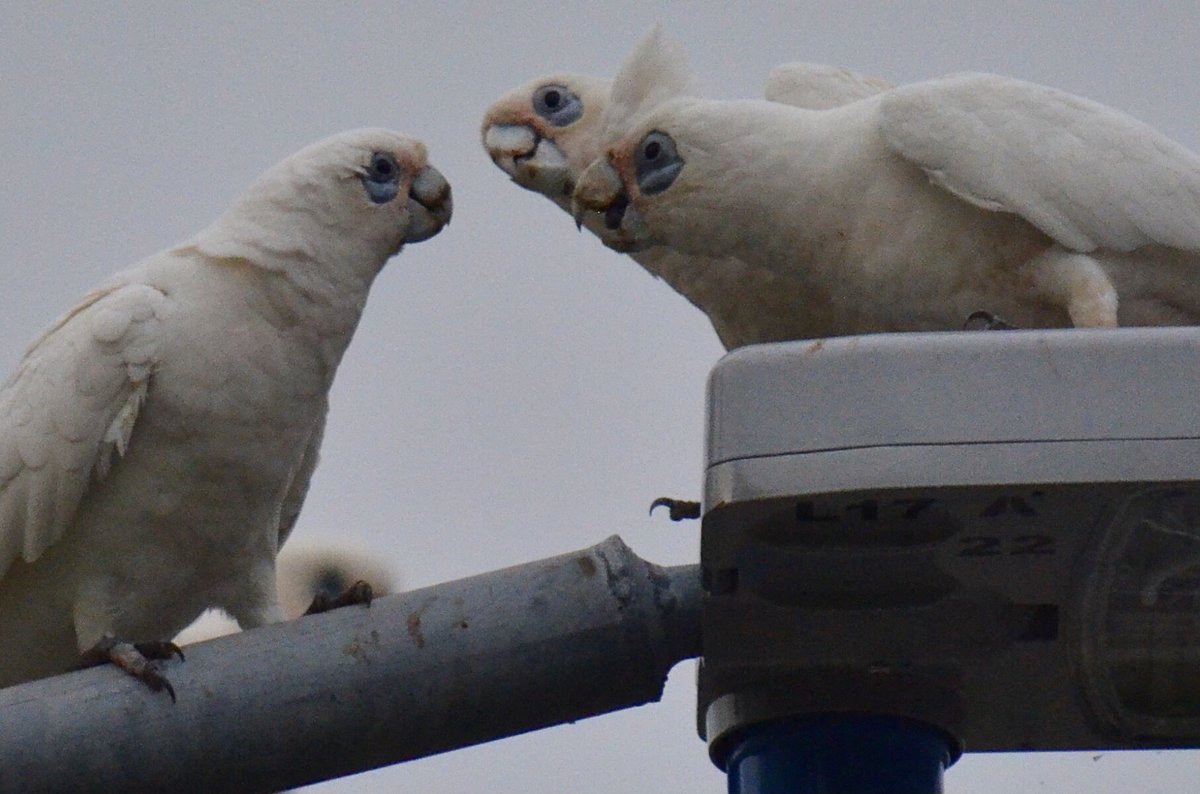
x: 600, y: 190
x: 506, y: 144
x: 532, y: 161
x: 429, y: 205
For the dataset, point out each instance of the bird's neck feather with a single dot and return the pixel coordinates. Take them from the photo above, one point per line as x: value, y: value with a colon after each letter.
x: 778, y: 174
x: 309, y: 284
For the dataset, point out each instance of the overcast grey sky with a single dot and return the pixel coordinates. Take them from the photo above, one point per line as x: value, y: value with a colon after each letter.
x: 515, y: 390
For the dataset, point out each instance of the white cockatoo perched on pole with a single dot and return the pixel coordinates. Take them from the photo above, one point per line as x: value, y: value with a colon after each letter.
x: 912, y: 208
x: 156, y: 443
x: 546, y: 132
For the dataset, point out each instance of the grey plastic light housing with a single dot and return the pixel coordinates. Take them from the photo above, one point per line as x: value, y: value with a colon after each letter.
x: 997, y: 533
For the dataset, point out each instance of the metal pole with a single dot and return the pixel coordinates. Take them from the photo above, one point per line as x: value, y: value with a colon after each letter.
x: 839, y: 754
x: 412, y: 675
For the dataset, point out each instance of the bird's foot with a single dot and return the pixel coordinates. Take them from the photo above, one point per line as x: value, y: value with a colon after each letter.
x: 677, y: 509
x: 358, y: 593
x: 986, y: 321
x: 135, y: 658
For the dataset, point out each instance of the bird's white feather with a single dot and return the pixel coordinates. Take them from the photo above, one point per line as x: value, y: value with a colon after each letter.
x: 657, y: 70
x: 71, y: 403
x: 1087, y: 175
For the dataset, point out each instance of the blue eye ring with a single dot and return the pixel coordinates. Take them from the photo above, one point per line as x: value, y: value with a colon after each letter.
x: 557, y: 104
x: 381, y: 178
x: 657, y: 162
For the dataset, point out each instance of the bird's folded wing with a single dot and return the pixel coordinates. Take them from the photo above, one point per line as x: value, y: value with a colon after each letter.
x: 71, y: 404
x: 1085, y: 174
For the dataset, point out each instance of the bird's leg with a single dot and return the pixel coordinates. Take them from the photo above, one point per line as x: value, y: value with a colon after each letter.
x: 1078, y: 283
x: 986, y: 321
x: 677, y: 509
x: 358, y: 593
x: 135, y: 658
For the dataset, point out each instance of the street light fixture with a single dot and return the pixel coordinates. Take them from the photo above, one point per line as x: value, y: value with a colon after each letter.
x: 915, y: 544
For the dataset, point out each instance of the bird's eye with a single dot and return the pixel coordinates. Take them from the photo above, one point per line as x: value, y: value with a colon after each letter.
x: 382, y: 178
x: 657, y: 163
x: 557, y: 105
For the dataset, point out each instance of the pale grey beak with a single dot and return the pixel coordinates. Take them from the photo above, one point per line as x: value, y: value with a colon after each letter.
x: 429, y: 205
x: 600, y: 190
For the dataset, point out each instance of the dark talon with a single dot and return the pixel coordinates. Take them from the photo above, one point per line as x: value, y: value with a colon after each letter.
x: 677, y: 509
x: 134, y: 659
x: 157, y: 682
x: 358, y: 593
x: 986, y: 321
x: 159, y: 650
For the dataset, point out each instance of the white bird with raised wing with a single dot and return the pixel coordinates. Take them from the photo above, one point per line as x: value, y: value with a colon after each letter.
x: 912, y: 208
x: 156, y: 443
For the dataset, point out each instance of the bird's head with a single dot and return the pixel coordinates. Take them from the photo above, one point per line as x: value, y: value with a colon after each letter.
x: 639, y: 161
x: 637, y: 184
x: 351, y: 200
x: 545, y: 133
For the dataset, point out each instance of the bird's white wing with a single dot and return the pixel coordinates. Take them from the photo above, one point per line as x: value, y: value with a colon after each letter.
x: 72, y: 402
x: 1085, y: 174
x: 293, y: 500
x: 818, y: 87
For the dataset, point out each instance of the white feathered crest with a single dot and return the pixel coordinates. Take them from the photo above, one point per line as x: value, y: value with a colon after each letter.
x: 657, y: 70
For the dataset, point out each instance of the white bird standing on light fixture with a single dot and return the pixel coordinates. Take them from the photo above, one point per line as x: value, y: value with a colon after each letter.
x: 913, y: 208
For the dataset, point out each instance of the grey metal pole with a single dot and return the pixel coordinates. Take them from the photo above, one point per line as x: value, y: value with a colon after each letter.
x: 414, y: 674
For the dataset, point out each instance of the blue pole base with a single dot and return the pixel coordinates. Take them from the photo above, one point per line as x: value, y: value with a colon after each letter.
x: 839, y: 754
